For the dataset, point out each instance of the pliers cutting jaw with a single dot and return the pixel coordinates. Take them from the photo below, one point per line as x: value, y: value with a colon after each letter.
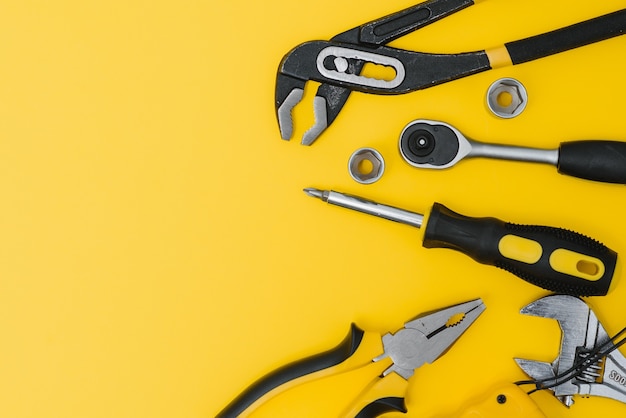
x: 427, y: 337
x: 588, y: 364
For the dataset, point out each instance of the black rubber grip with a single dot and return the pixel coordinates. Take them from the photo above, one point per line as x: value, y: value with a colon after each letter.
x: 382, y: 406
x: 594, y: 160
x: 569, y: 37
x: 393, y: 26
x: 293, y: 371
x: 481, y: 239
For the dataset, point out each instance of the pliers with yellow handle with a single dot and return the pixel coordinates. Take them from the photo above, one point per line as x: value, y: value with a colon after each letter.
x: 385, y: 363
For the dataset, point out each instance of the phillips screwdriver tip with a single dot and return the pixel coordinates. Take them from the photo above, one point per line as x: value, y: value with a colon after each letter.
x: 314, y: 192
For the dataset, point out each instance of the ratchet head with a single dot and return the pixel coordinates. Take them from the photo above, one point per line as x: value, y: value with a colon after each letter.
x: 427, y: 337
x: 430, y: 144
x: 588, y: 359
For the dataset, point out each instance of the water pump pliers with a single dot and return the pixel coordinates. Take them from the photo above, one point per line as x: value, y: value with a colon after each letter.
x: 337, y: 64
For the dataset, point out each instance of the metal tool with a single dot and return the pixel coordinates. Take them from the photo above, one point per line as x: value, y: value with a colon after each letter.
x: 507, y: 98
x: 391, y: 361
x: 338, y: 63
x: 432, y: 144
x: 371, y: 173
x: 588, y: 363
x: 552, y: 258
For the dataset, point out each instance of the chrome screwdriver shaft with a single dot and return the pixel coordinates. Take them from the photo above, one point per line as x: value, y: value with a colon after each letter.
x: 367, y: 206
x: 556, y: 259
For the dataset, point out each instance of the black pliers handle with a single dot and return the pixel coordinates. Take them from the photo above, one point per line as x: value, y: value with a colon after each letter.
x: 338, y: 63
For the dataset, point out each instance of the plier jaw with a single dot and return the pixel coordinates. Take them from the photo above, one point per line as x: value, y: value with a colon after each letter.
x: 338, y: 67
x: 337, y: 64
x: 427, y: 337
x: 289, y: 92
x: 313, y: 61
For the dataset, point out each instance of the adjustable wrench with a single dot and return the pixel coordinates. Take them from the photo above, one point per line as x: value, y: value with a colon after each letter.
x: 438, y: 145
x: 588, y: 363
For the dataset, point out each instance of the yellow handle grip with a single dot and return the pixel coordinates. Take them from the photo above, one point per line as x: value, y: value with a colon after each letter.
x: 314, y: 381
x: 505, y: 401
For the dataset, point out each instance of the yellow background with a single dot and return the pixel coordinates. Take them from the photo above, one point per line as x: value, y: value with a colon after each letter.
x: 158, y: 254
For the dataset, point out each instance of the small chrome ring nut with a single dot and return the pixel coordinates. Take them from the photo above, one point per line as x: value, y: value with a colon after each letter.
x: 366, y: 165
x: 507, y: 98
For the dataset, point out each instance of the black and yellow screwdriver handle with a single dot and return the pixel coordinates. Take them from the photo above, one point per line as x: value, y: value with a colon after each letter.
x: 323, y: 375
x: 555, y: 259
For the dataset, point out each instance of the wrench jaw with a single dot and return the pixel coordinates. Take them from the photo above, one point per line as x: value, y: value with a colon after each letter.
x: 581, y: 334
x: 329, y: 99
x: 573, y: 316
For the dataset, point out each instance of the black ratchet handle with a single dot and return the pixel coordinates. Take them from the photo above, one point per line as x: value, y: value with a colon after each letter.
x: 594, y: 160
x: 395, y: 25
x: 569, y: 37
x: 555, y: 259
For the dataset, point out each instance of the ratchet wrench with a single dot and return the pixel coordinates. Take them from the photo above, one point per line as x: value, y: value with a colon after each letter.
x: 438, y: 145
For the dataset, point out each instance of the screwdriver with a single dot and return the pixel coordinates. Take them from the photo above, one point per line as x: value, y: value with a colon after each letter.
x: 555, y: 259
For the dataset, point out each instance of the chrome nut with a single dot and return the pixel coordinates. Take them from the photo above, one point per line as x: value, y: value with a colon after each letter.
x: 507, y: 97
x: 366, y: 165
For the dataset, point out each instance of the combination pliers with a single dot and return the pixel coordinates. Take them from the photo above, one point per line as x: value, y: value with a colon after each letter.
x: 337, y: 64
x: 385, y: 363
